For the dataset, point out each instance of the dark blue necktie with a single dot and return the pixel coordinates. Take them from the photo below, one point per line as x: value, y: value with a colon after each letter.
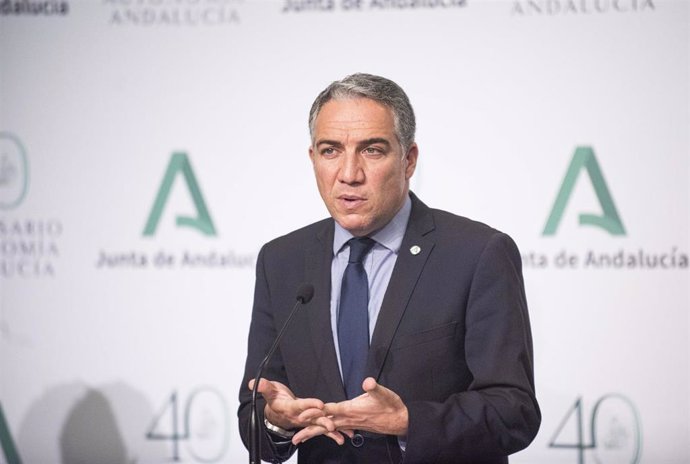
x: 353, y: 317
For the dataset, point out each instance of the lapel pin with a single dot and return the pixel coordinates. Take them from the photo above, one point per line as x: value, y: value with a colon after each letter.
x: 415, y: 250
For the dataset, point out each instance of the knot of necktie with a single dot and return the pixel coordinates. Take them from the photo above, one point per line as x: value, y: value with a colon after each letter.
x: 359, y: 247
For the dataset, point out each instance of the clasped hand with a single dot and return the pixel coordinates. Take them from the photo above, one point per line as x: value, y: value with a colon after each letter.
x: 378, y: 410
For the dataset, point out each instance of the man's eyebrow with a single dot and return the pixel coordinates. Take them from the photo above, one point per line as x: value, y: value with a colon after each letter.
x: 328, y: 142
x: 374, y: 140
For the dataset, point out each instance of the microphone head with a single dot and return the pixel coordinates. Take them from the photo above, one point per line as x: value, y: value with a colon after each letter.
x: 305, y: 293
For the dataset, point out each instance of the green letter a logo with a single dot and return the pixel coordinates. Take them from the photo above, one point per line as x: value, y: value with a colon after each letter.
x: 203, y: 223
x: 6, y: 442
x: 610, y: 221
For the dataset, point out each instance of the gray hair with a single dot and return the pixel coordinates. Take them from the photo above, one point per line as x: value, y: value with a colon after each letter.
x: 376, y: 88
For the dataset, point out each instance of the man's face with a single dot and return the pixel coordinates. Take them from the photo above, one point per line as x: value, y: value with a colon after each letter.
x: 362, y: 173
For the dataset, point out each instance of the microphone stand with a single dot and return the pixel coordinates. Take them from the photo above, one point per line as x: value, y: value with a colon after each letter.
x: 304, y: 296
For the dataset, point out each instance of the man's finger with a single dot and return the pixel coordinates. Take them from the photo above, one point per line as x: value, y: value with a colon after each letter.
x: 375, y: 389
x: 325, y: 422
x: 307, y: 416
x: 314, y: 431
x: 333, y: 409
x: 264, y: 385
x: 308, y: 403
x: 306, y: 433
x: 337, y: 437
x: 369, y: 385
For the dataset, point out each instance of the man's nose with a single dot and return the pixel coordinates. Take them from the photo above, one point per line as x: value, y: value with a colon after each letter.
x: 351, y: 169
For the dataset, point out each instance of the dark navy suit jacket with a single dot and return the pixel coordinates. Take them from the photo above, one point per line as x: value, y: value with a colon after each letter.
x: 452, y: 339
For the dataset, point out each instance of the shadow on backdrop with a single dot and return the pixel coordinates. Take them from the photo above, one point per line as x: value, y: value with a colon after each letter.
x: 90, y: 433
x: 78, y: 424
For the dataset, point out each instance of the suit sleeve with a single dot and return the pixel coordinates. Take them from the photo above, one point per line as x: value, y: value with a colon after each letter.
x: 498, y: 414
x: 262, y: 332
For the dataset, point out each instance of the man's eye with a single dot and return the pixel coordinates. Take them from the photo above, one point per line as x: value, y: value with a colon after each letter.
x: 330, y: 151
x: 372, y: 151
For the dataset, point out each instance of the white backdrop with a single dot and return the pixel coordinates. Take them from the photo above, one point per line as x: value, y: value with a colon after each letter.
x: 110, y: 337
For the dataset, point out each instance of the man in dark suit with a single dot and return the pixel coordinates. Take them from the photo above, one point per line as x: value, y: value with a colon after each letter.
x: 445, y: 374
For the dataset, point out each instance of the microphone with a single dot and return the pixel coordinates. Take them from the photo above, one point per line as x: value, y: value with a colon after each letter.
x: 305, y: 293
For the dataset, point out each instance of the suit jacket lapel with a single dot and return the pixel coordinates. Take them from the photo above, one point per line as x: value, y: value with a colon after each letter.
x: 406, y: 272
x: 318, y: 271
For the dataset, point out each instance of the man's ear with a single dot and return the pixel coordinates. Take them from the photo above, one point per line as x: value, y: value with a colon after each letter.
x: 411, y: 158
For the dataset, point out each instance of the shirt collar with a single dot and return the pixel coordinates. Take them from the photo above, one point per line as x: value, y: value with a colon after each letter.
x: 390, y: 236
